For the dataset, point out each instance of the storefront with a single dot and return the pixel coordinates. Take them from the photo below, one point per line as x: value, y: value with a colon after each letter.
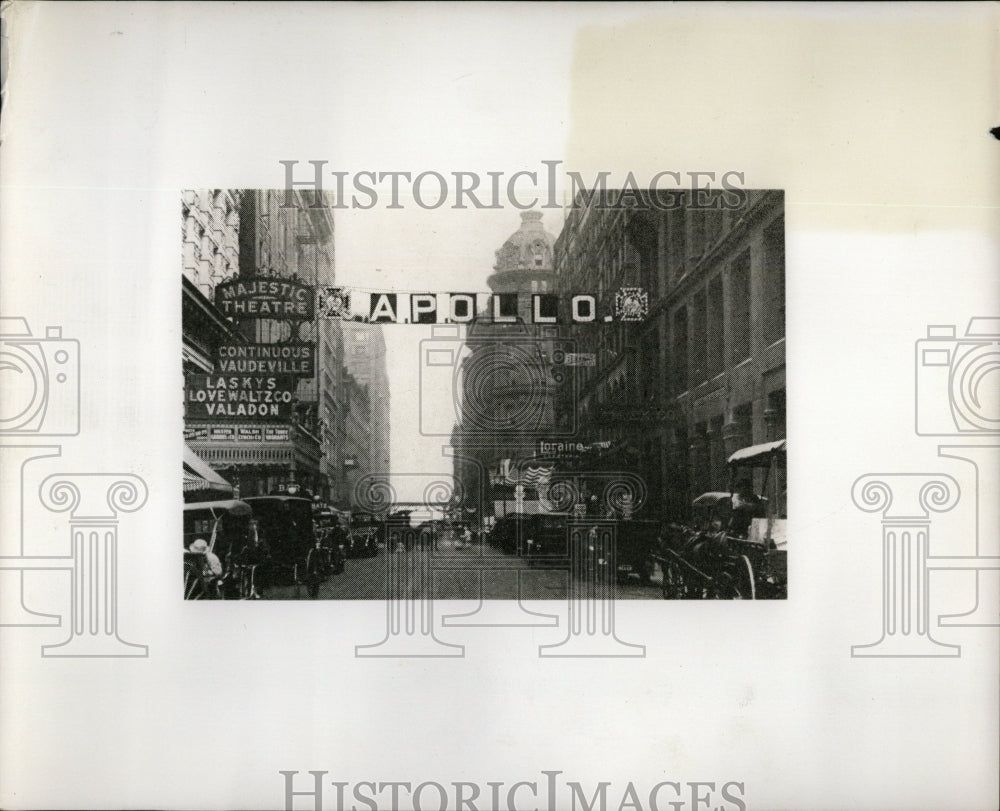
x: 259, y: 458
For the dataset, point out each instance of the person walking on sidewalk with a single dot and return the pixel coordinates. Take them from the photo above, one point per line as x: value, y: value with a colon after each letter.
x: 316, y: 568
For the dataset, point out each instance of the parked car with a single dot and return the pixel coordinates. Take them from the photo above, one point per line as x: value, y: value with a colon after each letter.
x: 505, y: 534
x: 545, y: 538
x: 364, y: 536
x: 636, y: 544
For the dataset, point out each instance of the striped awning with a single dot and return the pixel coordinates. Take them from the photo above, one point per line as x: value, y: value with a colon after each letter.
x: 199, y: 476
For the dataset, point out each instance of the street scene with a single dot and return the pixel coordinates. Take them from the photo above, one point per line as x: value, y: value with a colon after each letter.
x: 607, y: 416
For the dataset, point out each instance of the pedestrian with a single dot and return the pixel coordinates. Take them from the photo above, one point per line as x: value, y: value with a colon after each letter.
x: 213, y: 566
x: 206, y: 567
x: 257, y: 556
x: 316, y: 568
x: 745, y: 507
x: 339, y: 541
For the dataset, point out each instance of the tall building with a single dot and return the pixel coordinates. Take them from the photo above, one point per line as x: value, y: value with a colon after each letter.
x: 508, y: 391
x: 250, y: 235
x: 368, y: 405
x: 670, y: 397
x: 210, y: 226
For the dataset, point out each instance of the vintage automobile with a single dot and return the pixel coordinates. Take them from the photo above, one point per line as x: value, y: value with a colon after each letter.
x: 544, y: 539
x: 219, y: 529
x: 364, y: 534
x: 636, y: 544
x: 331, y: 527
x: 504, y: 533
x: 735, y: 546
x: 538, y: 537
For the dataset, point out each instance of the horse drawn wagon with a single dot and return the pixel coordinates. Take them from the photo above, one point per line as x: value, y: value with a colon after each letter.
x: 736, y: 546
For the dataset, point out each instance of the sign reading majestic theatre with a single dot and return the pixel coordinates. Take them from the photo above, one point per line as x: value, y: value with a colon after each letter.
x: 265, y: 298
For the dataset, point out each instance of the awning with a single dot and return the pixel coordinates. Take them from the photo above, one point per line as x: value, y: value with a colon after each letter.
x: 229, y: 506
x: 199, y: 476
x: 757, y: 453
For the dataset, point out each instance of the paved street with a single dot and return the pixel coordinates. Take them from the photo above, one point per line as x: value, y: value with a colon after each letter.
x: 458, y: 574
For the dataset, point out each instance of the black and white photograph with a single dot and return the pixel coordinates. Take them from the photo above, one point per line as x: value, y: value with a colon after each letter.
x: 630, y: 438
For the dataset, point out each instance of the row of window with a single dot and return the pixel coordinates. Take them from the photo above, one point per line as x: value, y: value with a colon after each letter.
x: 732, y: 315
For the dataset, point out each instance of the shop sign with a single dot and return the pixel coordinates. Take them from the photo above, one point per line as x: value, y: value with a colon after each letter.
x: 239, y: 397
x: 269, y: 359
x: 285, y: 299
x: 560, y: 447
x: 242, y: 433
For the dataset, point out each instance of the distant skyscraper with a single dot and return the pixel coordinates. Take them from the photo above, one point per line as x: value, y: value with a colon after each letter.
x: 508, y: 392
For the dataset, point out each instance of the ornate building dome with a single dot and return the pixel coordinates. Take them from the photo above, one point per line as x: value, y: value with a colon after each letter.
x: 528, y: 248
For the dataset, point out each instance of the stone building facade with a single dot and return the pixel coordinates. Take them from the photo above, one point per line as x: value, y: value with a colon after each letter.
x: 704, y: 374
x: 508, y: 391
x: 368, y: 402
x: 252, y: 234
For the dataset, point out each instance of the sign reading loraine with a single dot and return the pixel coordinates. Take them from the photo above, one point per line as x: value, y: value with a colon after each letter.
x: 271, y: 359
x: 265, y: 298
x: 239, y: 396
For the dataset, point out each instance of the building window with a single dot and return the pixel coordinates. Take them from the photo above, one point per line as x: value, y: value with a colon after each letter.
x: 739, y: 298
x: 774, y: 281
x: 700, y: 471
x: 743, y: 423
x: 775, y: 415
x: 713, y: 218
x: 676, y: 244
x: 715, y: 327
x: 699, y: 339
x: 679, y: 356
x: 696, y: 234
x: 717, y: 455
